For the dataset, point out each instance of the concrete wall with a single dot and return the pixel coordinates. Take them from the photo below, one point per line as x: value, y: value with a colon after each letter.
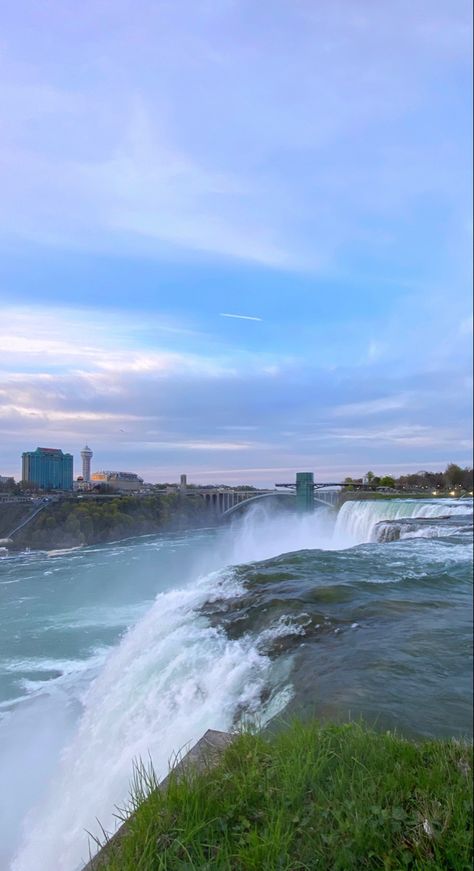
x: 205, y: 753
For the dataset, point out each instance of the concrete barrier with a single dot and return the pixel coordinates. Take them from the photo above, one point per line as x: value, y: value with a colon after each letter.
x: 205, y: 753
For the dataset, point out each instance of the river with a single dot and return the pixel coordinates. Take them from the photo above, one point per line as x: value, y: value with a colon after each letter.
x: 132, y: 650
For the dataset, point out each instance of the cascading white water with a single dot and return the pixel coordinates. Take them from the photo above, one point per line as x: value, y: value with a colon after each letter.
x: 173, y: 676
x: 356, y: 520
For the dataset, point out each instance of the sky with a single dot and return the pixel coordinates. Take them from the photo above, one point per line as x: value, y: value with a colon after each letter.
x: 235, y: 237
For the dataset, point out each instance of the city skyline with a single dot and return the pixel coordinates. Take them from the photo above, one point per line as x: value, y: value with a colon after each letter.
x: 260, y: 260
x: 86, y: 475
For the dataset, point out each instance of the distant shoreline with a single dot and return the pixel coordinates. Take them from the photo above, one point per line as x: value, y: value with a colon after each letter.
x: 74, y: 523
x: 71, y: 524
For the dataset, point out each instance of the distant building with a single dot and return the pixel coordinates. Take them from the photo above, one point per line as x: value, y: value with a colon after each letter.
x: 127, y: 482
x: 48, y: 469
x: 79, y: 485
x: 6, y: 480
x: 86, y: 455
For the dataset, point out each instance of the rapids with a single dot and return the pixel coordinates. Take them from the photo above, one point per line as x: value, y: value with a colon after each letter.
x: 131, y: 651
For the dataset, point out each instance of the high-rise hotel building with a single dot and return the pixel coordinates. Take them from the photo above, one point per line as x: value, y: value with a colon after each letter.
x: 48, y: 468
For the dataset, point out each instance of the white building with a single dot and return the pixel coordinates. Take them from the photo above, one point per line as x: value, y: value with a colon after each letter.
x: 126, y: 482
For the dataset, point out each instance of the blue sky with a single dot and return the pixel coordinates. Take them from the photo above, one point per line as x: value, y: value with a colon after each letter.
x: 303, y: 164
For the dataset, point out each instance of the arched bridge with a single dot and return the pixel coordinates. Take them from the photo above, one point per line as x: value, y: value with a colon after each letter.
x: 324, y: 499
x: 305, y: 494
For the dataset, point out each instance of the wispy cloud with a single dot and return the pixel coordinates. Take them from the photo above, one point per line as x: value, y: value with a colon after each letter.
x: 370, y: 407
x: 76, y: 417
x: 192, y: 445
x: 99, y: 341
x: 282, y: 163
x: 240, y: 317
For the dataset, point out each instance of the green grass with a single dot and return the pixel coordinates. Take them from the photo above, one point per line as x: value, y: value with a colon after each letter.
x: 309, y: 797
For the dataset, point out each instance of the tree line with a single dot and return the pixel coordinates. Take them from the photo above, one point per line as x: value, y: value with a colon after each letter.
x: 454, y: 477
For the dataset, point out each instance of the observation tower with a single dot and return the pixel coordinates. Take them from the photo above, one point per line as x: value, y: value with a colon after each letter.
x: 86, y: 455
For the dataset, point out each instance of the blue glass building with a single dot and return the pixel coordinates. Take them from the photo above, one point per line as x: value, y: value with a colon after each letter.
x: 48, y: 468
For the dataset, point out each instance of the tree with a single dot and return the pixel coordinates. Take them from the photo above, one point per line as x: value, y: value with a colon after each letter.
x: 454, y: 475
x: 387, y: 481
x: 468, y: 480
x: 29, y: 486
x: 372, y: 479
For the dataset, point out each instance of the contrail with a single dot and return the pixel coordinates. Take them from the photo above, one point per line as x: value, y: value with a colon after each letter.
x: 240, y: 317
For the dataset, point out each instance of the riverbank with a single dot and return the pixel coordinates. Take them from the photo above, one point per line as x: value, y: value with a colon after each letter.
x: 74, y: 522
x: 306, y: 796
x: 85, y: 521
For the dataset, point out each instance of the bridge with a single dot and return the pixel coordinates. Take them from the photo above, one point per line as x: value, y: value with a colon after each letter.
x: 304, y: 493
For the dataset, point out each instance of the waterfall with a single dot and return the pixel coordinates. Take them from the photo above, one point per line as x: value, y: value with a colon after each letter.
x: 356, y: 520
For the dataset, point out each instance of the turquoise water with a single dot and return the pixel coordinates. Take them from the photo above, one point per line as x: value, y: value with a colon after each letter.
x: 134, y: 649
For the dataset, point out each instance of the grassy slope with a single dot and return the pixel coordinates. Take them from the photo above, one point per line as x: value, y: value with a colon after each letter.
x: 310, y: 797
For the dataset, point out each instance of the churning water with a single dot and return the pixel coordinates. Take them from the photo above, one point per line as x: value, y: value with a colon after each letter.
x: 128, y: 651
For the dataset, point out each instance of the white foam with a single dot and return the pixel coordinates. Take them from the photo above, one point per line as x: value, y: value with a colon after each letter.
x: 356, y: 520
x: 42, y: 664
x: 432, y: 532
x: 172, y: 677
